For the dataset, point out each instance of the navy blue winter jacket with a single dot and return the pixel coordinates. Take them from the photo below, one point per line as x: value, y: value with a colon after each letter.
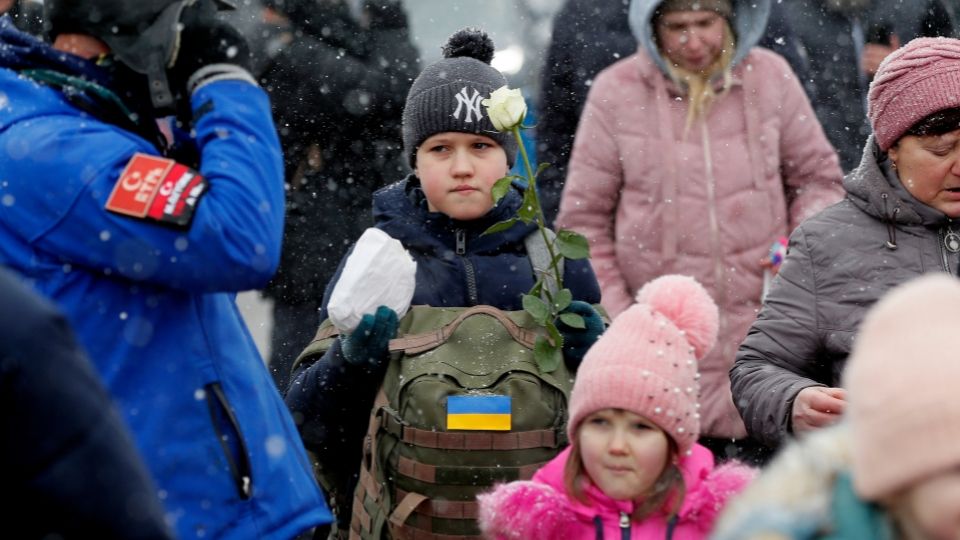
x: 154, y: 305
x: 72, y: 470
x: 456, y: 267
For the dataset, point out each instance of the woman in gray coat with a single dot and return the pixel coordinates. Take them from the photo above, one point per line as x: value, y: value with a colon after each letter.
x: 897, y: 221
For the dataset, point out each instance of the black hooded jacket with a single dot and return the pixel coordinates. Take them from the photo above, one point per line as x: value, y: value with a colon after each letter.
x: 337, y: 91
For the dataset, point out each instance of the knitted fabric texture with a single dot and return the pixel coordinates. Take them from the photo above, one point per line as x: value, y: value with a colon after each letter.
x: 723, y: 7
x: 901, y: 380
x: 446, y: 97
x: 646, y: 362
x: 917, y: 80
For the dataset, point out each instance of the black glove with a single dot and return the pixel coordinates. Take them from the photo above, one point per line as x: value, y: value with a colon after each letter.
x: 577, y: 341
x: 210, y: 49
x: 385, y: 14
x: 367, y: 345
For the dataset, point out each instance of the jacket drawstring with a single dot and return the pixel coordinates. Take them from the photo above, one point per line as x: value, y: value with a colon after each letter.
x: 890, y: 222
x: 671, y: 524
x: 668, y: 186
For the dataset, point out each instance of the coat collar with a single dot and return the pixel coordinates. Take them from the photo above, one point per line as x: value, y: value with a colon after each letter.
x: 401, y: 210
x: 694, y: 469
x: 875, y: 188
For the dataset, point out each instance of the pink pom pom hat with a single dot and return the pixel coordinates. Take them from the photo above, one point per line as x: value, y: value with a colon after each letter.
x: 647, y: 361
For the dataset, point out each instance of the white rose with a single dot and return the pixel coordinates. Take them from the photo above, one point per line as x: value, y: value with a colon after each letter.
x: 506, y: 108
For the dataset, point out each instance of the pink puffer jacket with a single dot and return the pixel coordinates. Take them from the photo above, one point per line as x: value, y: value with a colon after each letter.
x: 540, y: 509
x: 709, y: 204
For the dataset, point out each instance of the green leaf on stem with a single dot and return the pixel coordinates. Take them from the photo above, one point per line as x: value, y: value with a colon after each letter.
x: 562, y: 300
x: 554, y: 334
x: 501, y: 188
x: 572, y: 245
x: 572, y: 320
x: 547, y: 356
x: 540, y: 168
x: 501, y: 226
x: 537, y: 308
x: 528, y: 210
x: 537, y: 288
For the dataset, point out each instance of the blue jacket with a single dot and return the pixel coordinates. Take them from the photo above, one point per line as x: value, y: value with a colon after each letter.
x: 456, y: 267
x: 154, y: 305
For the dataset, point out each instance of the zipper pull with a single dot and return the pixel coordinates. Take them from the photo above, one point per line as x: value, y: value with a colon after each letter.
x: 461, y: 242
x: 951, y: 240
x: 624, y: 520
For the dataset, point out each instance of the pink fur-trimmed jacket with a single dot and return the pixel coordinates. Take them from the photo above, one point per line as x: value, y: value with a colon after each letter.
x: 540, y: 509
x: 652, y: 201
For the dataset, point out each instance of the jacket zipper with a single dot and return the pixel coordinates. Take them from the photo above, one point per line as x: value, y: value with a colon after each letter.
x: 712, y: 215
x: 471, y: 275
x: 238, y: 459
x: 942, y: 238
x: 624, y: 526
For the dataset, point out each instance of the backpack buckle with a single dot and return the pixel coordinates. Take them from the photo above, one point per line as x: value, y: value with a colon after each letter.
x: 390, y: 421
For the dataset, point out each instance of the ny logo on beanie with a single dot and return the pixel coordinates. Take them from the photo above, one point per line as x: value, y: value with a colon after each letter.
x: 470, y: 105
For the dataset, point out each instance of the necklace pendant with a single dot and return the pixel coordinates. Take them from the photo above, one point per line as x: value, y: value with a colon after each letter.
x: 952, y: 242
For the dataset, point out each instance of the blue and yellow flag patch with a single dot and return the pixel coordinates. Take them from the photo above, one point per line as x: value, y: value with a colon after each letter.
x: 478, y: 412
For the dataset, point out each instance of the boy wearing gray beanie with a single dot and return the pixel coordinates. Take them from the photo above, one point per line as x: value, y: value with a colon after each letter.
x: 440, y: 215
x: 446, y: 96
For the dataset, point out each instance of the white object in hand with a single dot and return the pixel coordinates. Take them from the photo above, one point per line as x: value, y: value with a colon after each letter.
x: 379, y: 272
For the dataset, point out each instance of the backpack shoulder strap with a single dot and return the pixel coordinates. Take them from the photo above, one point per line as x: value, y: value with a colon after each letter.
x: 540, y: 258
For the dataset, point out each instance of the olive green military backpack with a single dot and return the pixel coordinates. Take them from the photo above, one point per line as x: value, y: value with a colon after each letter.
x: 462, y: 406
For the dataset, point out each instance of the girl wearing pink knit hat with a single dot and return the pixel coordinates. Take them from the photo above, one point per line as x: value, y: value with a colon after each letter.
x: 634, y: 469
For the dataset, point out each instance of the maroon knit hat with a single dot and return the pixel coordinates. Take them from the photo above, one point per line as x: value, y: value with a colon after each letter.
x: 915, y: 81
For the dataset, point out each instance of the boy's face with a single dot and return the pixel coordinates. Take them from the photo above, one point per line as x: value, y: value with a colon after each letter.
x: 457, y: 172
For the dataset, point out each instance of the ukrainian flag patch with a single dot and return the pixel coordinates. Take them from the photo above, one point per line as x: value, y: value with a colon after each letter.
x: 478, y: 412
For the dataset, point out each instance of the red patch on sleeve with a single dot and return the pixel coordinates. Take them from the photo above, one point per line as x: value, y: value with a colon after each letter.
x: 157, y: 189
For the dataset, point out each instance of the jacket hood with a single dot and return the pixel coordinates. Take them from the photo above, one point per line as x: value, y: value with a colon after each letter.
x: 749, y: 22
x: 401, y: 210
x: 875, y: 188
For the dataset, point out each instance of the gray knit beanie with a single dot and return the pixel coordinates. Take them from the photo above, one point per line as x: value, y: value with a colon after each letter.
x: 446, y: 96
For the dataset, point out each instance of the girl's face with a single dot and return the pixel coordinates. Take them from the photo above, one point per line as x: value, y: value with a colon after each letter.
x: 692, y: 40
x: 933, y: 506
x: 457, y: 172
x: 624, y: 453
x: 929, y: 167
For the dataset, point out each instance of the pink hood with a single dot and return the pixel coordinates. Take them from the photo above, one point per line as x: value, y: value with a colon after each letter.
x: 539, y: 509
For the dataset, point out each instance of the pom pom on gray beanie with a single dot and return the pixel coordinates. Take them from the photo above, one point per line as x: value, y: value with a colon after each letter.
x: 446, y: 96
